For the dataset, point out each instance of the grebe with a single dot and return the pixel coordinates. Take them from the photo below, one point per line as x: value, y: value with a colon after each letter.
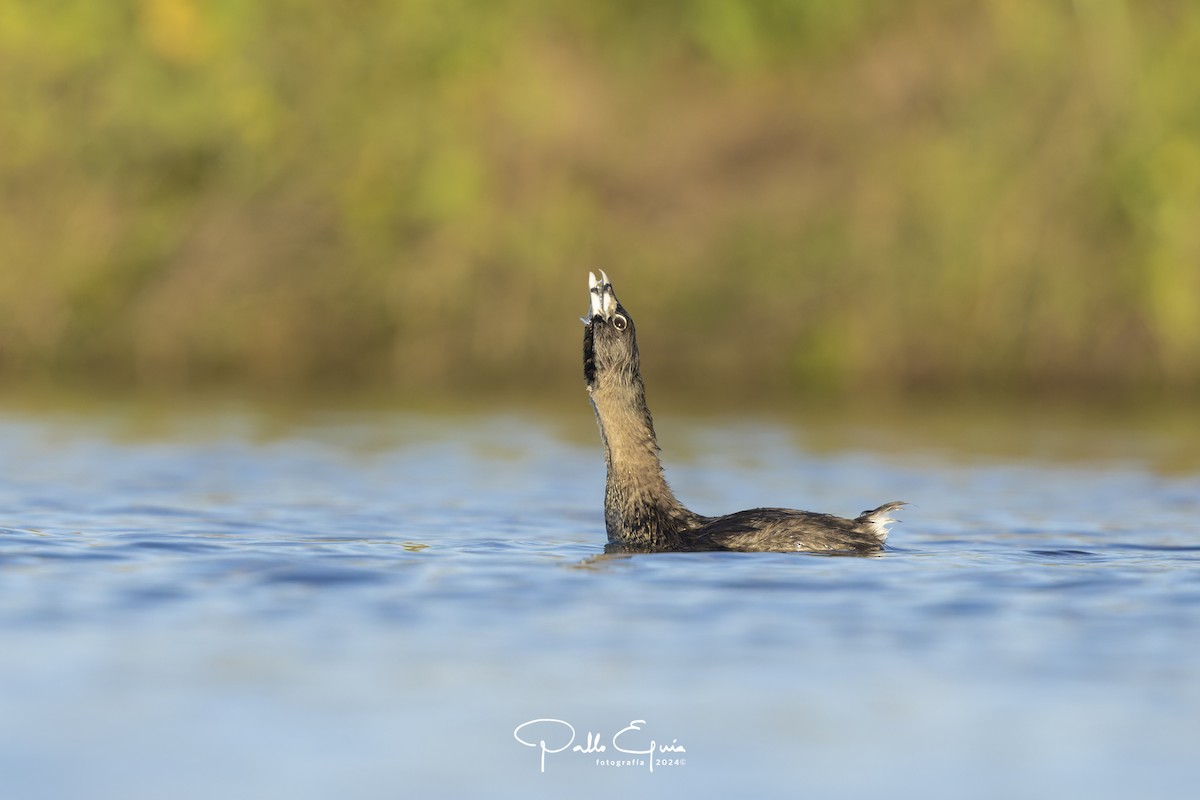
x: 641, y: 513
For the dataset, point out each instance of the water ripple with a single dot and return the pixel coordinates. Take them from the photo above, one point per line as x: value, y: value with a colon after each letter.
x: 194, y: 599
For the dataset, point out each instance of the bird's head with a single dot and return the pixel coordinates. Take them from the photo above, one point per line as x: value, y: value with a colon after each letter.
x: 610, y: 350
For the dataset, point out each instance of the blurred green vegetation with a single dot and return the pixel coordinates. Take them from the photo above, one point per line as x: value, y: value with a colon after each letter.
x: 827, y: 195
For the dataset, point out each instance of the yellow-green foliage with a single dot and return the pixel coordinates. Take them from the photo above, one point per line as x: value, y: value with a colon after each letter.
x: 837, y: 194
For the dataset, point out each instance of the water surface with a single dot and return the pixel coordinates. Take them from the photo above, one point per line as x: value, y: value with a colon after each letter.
x: 219, y: 603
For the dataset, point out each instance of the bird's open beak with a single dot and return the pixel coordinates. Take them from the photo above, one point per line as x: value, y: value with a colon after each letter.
x: 603, y: 299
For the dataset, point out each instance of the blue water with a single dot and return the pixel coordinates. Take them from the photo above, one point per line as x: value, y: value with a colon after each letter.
x: 367, y: 604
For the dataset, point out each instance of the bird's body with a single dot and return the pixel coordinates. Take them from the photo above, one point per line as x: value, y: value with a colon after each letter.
x: 641, y: 513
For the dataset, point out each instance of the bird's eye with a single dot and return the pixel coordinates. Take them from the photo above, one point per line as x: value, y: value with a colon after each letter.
x: 619, y: 322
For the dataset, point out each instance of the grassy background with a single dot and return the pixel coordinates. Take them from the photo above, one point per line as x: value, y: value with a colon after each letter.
x: 823, y: 196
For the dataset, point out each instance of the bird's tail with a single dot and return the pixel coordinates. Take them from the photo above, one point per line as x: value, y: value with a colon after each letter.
x: 878, y: 519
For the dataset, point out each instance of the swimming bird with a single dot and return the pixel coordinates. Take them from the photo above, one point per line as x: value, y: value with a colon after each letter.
x: 641, y: 513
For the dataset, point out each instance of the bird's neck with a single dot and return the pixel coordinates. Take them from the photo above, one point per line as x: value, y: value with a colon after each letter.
x: 640, y: 510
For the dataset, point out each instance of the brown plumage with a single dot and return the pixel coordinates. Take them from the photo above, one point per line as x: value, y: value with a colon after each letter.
x: 641, y: 512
